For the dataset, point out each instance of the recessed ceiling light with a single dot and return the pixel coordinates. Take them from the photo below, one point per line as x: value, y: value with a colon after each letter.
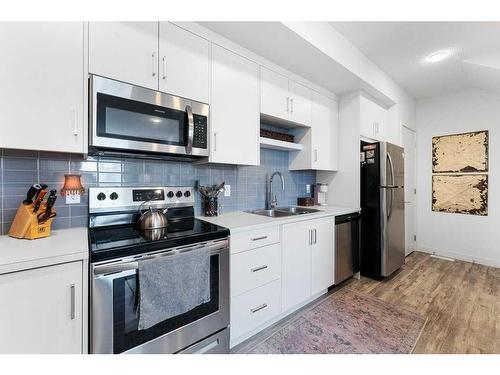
x: 437, y: 56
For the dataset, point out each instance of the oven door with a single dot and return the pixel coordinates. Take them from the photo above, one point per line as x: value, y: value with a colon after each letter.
x: 134, y: 119
x: 114, y: 313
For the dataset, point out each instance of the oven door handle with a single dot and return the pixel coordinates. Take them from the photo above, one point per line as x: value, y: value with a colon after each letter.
x: 190, y: 135
x: 134, y: 264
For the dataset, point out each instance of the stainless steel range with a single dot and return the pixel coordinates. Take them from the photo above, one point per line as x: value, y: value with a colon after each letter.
x: 117, y: 245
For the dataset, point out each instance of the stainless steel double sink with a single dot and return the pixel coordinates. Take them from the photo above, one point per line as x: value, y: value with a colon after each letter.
x: 284, y: 211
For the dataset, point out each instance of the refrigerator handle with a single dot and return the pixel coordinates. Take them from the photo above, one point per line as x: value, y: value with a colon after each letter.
x: 391, y: 165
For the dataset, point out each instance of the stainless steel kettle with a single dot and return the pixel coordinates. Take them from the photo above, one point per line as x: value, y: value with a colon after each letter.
x: 152, y: 218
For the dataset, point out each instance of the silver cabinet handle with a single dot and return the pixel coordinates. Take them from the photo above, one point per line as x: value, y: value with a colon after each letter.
x: 315, y: 236
x: 259, y: 238
x: 164, y: 64
x: 154, y: 63
x: 315, y: 154
x: 72, y: 290
x: 310, y: 237
x: 189, y: 145
x: 258, y: 308
x: 291, y: 105
x: 75, y: 122
x: 215, y: 141
x: 288, y: 104
x: 259, y: 268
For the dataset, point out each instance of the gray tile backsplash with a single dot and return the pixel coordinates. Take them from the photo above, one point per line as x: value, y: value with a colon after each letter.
x: 20, y: 169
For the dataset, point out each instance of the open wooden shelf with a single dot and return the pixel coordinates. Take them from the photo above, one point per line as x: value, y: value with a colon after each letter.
x: 274, y: 144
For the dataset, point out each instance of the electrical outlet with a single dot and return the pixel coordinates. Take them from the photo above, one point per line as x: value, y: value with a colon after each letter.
x: 308, y: 189
x: 227, y: 190
x: 72, y: 198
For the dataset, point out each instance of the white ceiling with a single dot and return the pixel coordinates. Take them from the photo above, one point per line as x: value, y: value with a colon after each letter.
x: 399, y: 49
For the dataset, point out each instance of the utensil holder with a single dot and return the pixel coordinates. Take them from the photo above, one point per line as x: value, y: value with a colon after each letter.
x: 25, y: 224
x: 211, y: 206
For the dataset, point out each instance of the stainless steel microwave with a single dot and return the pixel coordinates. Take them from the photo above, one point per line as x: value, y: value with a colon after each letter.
x: 132, y: 120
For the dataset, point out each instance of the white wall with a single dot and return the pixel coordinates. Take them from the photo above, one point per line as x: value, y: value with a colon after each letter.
x: 466, y: 237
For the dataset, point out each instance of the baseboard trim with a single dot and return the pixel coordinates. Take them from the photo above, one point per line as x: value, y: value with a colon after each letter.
x: 462, y: 257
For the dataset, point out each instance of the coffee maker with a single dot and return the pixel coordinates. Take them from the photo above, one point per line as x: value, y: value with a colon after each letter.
x: 319, y: 194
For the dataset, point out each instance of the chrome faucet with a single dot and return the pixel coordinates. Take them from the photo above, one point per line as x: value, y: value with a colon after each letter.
x: 272, y: 202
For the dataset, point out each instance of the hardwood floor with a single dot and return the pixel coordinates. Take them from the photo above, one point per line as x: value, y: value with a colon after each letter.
x: 460, y: 300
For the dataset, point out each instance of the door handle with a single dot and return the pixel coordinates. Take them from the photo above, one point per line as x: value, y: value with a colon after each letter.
x: 316, y: 155
x: 75, y: 122
x: 257, y: 269
x: 315, y: 233
x: 164, y: 65
x: 72, y: 309
x: 259, y: 238
x: 189, y: 146
x: 215, y: 141
x: 258, y: 308
x: 310, y: 237
x: 153, y: 56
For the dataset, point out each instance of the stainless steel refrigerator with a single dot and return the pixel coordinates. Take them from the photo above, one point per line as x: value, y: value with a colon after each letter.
x: 382, y: 203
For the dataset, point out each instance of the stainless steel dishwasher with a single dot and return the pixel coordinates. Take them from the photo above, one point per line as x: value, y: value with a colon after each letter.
x: 347, y: 246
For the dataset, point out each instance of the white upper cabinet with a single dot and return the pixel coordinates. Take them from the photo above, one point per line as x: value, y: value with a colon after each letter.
x: 284, y: 99
x: 320, y: 141
x: 125, y: 51
x: 373, y: 119
x: 42, y: 86
x: 41, y: 310
x: 274, y: 98
x: 300, y: 103
x: 324, y: 133
x: 184, y: 63
x: 235, y: 117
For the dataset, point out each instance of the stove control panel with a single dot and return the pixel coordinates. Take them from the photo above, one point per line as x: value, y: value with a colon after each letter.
x: 104, y: 199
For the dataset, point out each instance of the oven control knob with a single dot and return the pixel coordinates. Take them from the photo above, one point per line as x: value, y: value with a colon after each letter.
x: 113, y: 196
x: 178, y: 194
x: 187, y: 193
x: 101, y: 196
x: 170, y: 194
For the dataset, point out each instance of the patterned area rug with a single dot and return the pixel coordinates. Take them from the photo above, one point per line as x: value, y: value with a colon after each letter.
x: 346, y: 322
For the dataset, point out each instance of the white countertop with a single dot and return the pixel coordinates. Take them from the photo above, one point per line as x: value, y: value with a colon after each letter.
x: 241, y: 221
x: 64, y: 245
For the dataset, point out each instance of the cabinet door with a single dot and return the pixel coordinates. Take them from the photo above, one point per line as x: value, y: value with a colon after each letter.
x: 235, y: 118
x: 373, y: 119
x: 296, y: 269
x: 41, y: 310
x: 322, y: 254
x: 274, y: 98
x: 125, y: 51
x: 300, y: 103
x: 184, y: 63
x: 324, y: 133
x: 42, y: 86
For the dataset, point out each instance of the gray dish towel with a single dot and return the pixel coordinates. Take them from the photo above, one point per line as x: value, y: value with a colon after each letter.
x: 172, y: 285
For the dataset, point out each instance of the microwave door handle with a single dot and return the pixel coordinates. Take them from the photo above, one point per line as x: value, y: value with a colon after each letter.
x: 190, y: 135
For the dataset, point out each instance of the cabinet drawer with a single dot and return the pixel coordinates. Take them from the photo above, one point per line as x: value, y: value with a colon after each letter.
x: 254, y: 238
x: 253, y: 268
x: 254, y: 308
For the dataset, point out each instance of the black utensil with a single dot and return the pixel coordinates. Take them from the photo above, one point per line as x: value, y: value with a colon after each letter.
x: 48, y: 214
x: 32, y: 192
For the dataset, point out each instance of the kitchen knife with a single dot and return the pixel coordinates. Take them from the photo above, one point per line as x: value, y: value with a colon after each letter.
x: 39, y: 199
x: 48, y: 214
x: 32, y: 192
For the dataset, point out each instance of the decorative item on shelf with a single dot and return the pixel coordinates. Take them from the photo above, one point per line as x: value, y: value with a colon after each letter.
x: 34, y: 216
x: 72, y: 188
x: 319, y: 194
x: 209, y: 196
x: 276, y: 135
x: 305, y: 201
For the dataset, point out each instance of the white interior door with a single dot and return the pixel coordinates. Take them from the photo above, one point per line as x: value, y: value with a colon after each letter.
x: 409, y: 144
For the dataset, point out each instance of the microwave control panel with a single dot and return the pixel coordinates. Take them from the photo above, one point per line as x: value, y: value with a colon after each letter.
x: 200, y: 131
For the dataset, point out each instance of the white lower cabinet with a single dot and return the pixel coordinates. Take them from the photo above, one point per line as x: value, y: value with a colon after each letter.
x: 307, y: 260
x: 254, y: 308
x: 270, y: 280
x: 41, y: 310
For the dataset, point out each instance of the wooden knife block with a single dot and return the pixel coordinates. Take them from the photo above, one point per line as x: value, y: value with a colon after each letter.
x: 25, y: 224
